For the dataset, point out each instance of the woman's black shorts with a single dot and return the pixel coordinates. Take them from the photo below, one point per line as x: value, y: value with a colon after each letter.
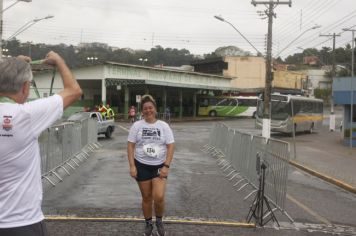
x: 37, y: 229
x: 146, y: 172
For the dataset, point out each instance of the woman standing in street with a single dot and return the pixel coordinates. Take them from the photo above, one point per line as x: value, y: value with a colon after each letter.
x: 150, y: 151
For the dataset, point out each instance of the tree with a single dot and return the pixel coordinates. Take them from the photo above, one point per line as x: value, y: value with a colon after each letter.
x: 297, y: 58
x: 77, y: 56
x: 325, y: 55
x: 323, y: 94
x: 231, y: 51
x: 279, y: 60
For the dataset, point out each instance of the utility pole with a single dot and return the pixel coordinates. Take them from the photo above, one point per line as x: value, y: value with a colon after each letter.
x: 351, y: 85
x: 1, y: 11
x: 266, y: 126
x: 332, y: 115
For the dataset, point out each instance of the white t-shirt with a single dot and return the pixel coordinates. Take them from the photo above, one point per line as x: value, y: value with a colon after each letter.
x: 20, y: 172
x: 151, y: 141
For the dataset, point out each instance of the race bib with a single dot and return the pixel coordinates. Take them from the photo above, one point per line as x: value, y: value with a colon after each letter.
x: 151, y: 150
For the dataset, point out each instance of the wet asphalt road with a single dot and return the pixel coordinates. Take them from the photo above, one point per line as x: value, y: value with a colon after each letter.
x: 197, y: 189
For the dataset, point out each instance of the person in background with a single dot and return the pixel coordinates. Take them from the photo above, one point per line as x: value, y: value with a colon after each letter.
x: 132, y: 114
x: 102, y: 109
x: 167, y: 115
x: 110, y: 112
x: 150, y: 150
x: 95, y: 108
x: 22, y: 123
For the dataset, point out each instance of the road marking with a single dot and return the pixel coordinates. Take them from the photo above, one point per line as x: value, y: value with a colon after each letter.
x: 124, y: 128
x: 167, y: 220
x: 308, y: 210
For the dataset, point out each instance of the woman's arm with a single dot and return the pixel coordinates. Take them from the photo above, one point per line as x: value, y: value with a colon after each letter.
x: 131, y: 159
x: 169, y: 156
x: 170, y: 151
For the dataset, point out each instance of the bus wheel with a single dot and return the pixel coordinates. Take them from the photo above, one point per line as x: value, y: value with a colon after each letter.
x: 254, y: 115
x: 311, y: 130
x: 212, y: 113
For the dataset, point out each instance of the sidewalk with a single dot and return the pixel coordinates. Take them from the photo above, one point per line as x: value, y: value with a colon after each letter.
x: 323, y: 155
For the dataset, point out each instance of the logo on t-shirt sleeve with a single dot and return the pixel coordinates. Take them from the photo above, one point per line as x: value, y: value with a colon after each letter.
x: 6, y: 123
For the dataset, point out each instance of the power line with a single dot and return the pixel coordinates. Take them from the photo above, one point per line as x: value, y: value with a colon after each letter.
x: 310, y: 11
x: 313, y: 16
x: 332, y: 26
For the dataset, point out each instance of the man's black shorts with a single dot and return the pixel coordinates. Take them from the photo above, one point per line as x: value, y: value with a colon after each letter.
x: 37, y: 229
x: 146, y: 172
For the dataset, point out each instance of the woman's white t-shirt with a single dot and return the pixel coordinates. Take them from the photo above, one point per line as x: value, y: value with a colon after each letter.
x: 151, y: 141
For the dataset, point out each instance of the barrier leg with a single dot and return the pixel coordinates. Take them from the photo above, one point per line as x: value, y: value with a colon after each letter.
x: 49, y: 180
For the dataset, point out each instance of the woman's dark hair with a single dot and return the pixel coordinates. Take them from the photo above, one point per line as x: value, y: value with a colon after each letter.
x: 147, y: 98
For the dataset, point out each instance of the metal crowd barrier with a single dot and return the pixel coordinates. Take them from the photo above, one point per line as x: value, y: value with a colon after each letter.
x: 237, y: 153
x: 64, y: 146
x: 165, y: 117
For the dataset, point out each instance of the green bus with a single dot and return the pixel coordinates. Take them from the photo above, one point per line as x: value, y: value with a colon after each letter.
x: 227, y: 106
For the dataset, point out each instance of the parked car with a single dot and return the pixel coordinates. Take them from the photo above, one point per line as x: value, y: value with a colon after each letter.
x: 105, y: 126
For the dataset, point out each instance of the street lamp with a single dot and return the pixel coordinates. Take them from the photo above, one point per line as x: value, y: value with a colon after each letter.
x: 92, y: 59
x: 352, y: 76
x: 4, y: 51
x: 143, y: 60
x: 1, y: 21
x: 300, y: 35
x: 14, y: 4
x: 223, y: 20
x: 28, y: 25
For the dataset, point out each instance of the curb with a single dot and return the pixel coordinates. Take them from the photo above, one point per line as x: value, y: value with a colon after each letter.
x: 327, y: 178
x: 167, y: 220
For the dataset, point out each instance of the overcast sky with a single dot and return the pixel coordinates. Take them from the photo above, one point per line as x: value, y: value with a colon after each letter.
x: 142, y: 24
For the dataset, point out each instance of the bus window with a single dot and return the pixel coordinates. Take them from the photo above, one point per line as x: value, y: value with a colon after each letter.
x: 243, y: 102
x: 253, y: 102
x: 224, y: 102
x: 309, y: 107
x: 296, y: 106
x: 306, y: 107
x: 320, y: 108
x: 204, y: 102
x: 279, y: 110
x: 247, y: 102
x: 232, y: 102
x: 213, y: 102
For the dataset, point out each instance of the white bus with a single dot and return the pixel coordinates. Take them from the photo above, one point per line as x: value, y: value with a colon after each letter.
x: 288, y: 111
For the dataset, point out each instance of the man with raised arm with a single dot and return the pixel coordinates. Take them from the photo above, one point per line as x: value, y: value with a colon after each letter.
x: 21, y: 123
